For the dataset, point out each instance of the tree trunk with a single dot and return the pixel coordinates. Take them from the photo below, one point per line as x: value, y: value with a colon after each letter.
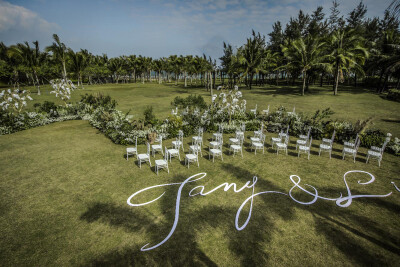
x: 304, y: 83
x: 65, y: 70
x: 322, y: 80
x: 336, y: 83
x: 355, y: 79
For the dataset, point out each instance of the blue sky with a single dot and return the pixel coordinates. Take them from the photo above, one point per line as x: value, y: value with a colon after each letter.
x: 153, y: 28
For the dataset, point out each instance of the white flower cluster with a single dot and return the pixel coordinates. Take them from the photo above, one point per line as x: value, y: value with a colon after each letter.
x: 62, y: 88
x: 230, y: 102
x: 15, y: 99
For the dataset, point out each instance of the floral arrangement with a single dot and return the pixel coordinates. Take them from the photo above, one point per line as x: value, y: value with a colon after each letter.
x: 15, y: 100
x: 62, y: 89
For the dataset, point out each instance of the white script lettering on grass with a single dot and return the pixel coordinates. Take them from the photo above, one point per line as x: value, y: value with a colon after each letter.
x: 341, y: 201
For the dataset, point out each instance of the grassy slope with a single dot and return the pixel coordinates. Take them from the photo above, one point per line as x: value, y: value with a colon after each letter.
x: 64, y: 186
x: 351, y: 104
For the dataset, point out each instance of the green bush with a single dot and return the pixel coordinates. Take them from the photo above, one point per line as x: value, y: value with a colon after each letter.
x: 191, y: 101
x: 99, y: 100
x: 372, y: 138
x: 394, y: 95
x: 149, y: 117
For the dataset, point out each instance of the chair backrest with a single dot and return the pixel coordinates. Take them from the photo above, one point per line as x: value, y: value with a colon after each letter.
x: 309, y: 132
x: 281, y: 133
x: 262, y: 127
x: 333, y: 136
x: 287, y: 139
x: 357, y: 138
x: 243, y: 127
x: 384, y: 146
x: 148, y: 148
x: 136, y: 141
x: 262, y: 138
x: 180, y: 135
x: 309, y: 144
x: 200, y: 132
x: 166, y: 154
x: 220, y: 129
x: 287, y: 130
x: 358, y: 141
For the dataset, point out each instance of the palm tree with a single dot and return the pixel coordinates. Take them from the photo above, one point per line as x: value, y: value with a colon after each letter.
x: 59, y: 51
x: 252, y: 56
x: 304, y: 54
x: 32, y: 58
x: 347, y: 51
x: 78, y: 63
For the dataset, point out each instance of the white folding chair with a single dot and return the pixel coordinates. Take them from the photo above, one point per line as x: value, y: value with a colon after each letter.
x: 178, y: 143
x: 254, y: 111
x: 131, y: 150
x: 303, y: 139
x: 195, y: 147
x: 219, y: 133
x: 236, y: 148
x: 351, y: 151
x: 258, y: 145
x: 351, y: 144
x: 216, y: 152
x: 293, y: 112
x: 162, y: 163
x: 157, y: 147
x: 327, y: 145
x: 192, y: 157
x: 302, y: 136
x: 173, y: 153
x: 259, y: 132
x: 218, y: 142
x: 283, y: 146
x: 237, y: 139
x: 377, y: 153
x: 305, y: 149
x: 266, y: 111
x: 275, y: 140
x: 199, y: 138
x: 144, y: 157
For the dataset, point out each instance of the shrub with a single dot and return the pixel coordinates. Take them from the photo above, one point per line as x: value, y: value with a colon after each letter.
x: 99, y: 100
x: 394, y: 95
x: 191, y: 101
x: 372, y: 138
x: 149, y: 117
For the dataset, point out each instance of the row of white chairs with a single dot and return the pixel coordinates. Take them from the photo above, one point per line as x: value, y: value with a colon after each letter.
x: 303, y: 145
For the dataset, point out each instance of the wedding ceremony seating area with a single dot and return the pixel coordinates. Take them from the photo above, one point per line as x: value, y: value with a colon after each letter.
x: 243, y: 140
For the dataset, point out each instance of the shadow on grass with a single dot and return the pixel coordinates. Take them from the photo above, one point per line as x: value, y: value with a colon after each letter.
x: 355, y: 236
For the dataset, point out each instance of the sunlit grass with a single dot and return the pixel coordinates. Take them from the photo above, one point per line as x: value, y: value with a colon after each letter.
x: 63, y: 192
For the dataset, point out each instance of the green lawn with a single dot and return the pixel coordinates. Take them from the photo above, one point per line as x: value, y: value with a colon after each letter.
x: 351, y: 104
x: 64, y: 187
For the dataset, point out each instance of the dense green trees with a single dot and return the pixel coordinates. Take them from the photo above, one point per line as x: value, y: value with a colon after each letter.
x: 330, y: 49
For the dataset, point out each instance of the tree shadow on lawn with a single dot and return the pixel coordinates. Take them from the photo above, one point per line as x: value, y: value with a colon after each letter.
x: 341, y: 227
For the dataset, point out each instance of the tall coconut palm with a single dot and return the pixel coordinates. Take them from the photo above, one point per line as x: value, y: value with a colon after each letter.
x: 304, y: 54
x: 78, y: 63
x: 347, y: 51
x: 59, y: 52
x: 32, y: 58
x: 252, y: 56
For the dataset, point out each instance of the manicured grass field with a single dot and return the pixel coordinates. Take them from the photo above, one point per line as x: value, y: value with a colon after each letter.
x: 351, y: 104
x: 64, y: 187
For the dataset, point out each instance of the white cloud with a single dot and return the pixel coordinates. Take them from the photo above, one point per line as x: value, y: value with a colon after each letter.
x: 13, y: 17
